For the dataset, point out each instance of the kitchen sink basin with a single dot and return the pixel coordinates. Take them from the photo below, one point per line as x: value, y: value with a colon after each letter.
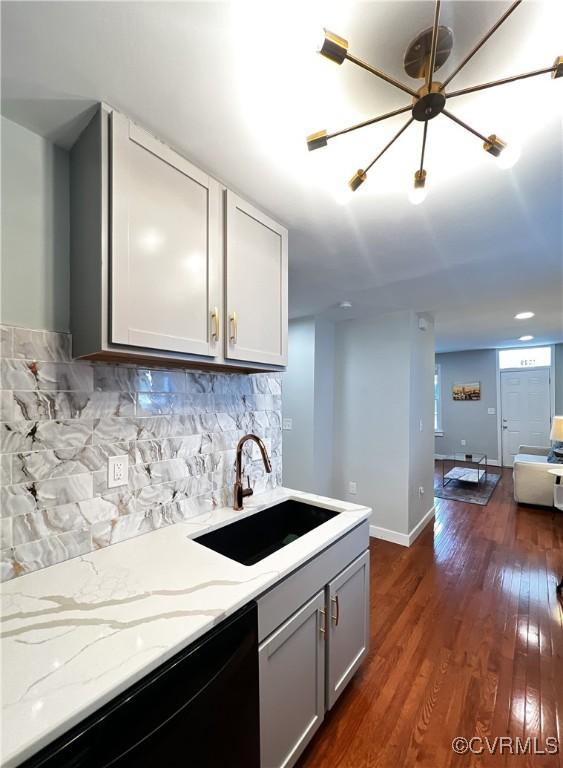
x: 253, y: 538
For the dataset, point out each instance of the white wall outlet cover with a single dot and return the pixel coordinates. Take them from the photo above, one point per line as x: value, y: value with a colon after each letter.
x: 287, y: 424
x: 352, y: 487
x: 421, y: 490
x: 464, y: 442
x: 118, y: 471
x: 491, y: 411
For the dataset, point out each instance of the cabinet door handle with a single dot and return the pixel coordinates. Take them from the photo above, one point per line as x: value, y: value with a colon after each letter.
x: 335, y: 616
x: 215, y: 324
x: 234, y: 328
x: 322, y: 623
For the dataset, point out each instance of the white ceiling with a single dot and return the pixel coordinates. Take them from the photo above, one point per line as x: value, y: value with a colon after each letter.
x: 238, y: 86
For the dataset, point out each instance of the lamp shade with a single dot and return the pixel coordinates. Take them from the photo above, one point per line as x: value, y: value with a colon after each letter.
x: 557, y: 429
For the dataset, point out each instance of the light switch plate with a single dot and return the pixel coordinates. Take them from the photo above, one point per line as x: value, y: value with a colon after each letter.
x: 491, y: 411
x: 287, y: 424
x: 118, y: 471
x: 464, y: 442
x: 352, y: 487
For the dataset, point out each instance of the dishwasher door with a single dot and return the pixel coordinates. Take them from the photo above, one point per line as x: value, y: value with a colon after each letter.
x: 198, y: 710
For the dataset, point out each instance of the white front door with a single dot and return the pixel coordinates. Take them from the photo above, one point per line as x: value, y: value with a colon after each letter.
x: 525, y: 409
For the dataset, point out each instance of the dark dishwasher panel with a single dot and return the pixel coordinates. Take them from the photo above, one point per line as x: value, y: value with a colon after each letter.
x: 198, y: 710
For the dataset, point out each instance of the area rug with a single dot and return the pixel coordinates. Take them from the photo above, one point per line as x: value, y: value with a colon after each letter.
x: 468, y: 492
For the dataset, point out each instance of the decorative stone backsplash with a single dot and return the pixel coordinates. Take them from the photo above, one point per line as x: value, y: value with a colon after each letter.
x: 60, y: 420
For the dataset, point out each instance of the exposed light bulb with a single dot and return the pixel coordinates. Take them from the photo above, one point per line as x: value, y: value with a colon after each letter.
x: 343, y: 194
x: 417, y: 195
x: 509, y: 156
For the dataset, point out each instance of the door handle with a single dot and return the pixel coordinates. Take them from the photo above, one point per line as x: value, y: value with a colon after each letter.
x: 335, y: 616
x: 322, y: 623
x: 234, y: 328
x: 215, y: 324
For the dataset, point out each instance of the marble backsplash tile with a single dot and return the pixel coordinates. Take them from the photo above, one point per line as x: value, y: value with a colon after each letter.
x: 60, y: 420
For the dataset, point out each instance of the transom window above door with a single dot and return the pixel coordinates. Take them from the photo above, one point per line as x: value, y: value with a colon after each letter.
x: 525, y: 357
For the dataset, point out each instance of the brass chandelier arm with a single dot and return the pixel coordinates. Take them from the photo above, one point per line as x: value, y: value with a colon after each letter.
x: 371, y: 121
x: 423, y: 146
x: 481, y: 42
x: 381, y: 74
x: 464, y: 125
x: 503, y: 81
x: 386, y: 147
x: 434, y: 46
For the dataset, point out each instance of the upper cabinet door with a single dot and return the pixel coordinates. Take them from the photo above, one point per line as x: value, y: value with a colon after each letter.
x: 165, y: 246
x: 256, y: 285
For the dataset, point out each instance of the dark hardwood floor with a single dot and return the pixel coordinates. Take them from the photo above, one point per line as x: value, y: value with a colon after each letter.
x: 466, y: 640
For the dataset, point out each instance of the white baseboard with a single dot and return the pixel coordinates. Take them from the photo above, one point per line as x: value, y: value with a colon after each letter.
x: 404, y: 539
x: 490, y: 462
x: 417, y: 530
x: 387, y: 535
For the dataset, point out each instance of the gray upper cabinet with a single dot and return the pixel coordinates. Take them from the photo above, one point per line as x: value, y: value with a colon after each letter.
x: 256, y: 284
x: 159, y: 270
x: 165, y: 246
x: 348, y: 636
x: 292, y: 685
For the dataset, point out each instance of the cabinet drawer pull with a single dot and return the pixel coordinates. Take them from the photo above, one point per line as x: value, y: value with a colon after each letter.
x: 335, y: 616
x: 322, y: 623
x: 215, y: 324
x: 234, y: 328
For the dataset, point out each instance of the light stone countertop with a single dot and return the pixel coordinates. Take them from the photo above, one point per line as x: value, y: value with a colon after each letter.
x: 78, y: 633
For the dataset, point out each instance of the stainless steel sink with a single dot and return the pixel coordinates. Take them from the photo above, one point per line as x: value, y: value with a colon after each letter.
x: 253, y: 538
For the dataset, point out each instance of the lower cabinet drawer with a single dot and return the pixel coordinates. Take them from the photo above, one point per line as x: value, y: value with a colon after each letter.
x: 292, y: 685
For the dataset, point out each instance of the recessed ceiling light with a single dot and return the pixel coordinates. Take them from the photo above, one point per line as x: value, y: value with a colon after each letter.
x: 345, y: 304
x: 524, y: 315
x: 525, y: 338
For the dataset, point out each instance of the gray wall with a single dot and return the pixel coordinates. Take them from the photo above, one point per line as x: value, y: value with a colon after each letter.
x: 308, y: 399
x: 383, y: 389
x: 324, y: 407
x: 421, y: 421
x: 299, y: 405
x: 468, y: 421
x: 35, y: 231
x: 559, y: 379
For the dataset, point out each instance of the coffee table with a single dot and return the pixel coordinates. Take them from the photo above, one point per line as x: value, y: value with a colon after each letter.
x: 474, y: 469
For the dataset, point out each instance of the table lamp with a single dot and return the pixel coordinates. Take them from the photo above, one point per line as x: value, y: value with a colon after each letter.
x: 557, y: 433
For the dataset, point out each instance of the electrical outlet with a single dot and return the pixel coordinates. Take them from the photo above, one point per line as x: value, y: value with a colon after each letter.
x: 352, y: 487
x: 287, y: 424
x: 421, y: 490
x: 464, y: 442
x: 118, y: 471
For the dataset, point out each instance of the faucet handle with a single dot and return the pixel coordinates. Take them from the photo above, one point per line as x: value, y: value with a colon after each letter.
x: 248, y: 490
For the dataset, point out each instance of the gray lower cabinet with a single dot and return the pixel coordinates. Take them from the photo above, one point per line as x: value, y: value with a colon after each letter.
x: 319, y: 643
x: 292, y: 684
x: 348, y: 636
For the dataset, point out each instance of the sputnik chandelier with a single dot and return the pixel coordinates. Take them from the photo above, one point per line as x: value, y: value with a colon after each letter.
x: 427, y: 53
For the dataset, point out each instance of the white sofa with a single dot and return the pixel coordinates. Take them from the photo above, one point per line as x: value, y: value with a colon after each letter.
x: 532, y: 482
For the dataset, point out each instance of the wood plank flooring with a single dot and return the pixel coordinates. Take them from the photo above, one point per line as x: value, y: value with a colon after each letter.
x: 466, y: 640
